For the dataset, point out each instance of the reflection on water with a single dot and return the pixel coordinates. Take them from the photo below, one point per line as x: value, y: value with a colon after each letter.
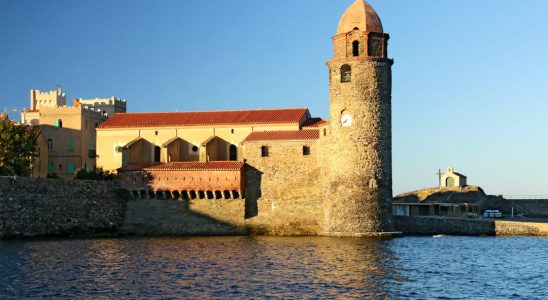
x: 265, y: 267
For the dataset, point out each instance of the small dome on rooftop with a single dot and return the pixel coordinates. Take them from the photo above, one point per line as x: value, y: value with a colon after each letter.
x: 360, y: 16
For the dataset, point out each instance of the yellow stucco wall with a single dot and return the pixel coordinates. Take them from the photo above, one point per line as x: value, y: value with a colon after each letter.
x: 70, y: 144
x: 111, y: 140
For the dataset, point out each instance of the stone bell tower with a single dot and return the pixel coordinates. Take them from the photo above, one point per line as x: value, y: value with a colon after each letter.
x: 357, y: 185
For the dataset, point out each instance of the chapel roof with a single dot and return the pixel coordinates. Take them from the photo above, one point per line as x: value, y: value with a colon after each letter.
x: 362, y: 16
x: 229, y: 117
x: 289, y: 135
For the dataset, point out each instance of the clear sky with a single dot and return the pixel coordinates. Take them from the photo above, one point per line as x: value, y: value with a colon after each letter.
x: 470, y: 77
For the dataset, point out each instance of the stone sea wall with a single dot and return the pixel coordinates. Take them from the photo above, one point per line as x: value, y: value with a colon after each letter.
x: 56, y: 207
x: 474, y: 227
x: 536, y: 208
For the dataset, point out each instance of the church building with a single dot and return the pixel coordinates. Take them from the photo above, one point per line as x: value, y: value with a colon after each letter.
x: 452, y: 179
x: 287, y: 168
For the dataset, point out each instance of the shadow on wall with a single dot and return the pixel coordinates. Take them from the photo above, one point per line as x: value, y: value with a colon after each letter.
x: 171, y: 217
x: 253, y: 178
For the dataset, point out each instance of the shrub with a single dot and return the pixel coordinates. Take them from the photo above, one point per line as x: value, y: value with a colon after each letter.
x: 97, y: 174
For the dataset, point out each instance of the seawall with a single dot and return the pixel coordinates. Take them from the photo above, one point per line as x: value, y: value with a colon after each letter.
x: 474, y: 227
x: 57, y: 207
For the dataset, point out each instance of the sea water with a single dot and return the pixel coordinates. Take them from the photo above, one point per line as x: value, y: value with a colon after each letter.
x: 275, y: 267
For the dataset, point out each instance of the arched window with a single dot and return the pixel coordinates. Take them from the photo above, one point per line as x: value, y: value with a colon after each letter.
x: 346, y: 73
x: 157, y: 152
x: 355, y: 48
x: 233, y: 152
x: 50, y: 144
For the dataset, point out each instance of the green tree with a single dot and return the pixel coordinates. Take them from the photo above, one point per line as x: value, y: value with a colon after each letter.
x: 18, y: 147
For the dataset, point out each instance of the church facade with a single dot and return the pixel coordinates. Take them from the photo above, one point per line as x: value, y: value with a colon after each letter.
x: 290, y: 172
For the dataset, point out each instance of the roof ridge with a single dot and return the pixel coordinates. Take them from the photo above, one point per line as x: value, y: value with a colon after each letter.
x: 206, y: 111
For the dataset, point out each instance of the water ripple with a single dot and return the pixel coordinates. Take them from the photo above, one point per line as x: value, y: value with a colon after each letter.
x: 275, y: 268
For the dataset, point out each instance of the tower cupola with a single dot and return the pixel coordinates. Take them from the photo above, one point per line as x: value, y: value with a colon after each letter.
x: 360, y: 34
x: 360, y: 16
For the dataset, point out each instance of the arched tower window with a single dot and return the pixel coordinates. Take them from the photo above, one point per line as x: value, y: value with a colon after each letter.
x: 157, y: 151
x: 346, y: 73
x: 355, y: 48
x: 233, y: 153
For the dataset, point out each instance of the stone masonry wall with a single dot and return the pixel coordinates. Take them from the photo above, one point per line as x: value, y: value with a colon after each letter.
x: 283, y: 190
x: 185, y: 217
x: 475, y: 227
x: 358, y: 180
x: 56, y: 207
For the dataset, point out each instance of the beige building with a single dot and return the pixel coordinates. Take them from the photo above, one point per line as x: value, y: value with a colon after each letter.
x: 107, y: 106
x: 145, y: 138
x: 68, y: 132
x: 452, y: 179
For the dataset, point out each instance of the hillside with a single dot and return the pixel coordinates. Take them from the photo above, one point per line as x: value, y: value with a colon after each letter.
x: 469, y: 193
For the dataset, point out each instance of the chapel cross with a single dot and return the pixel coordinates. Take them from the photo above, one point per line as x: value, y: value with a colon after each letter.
x: 439, y: 176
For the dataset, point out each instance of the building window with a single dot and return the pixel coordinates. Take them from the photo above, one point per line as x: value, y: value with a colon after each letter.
x: 50, y: 144
x: 346, y: 73
x: 194, y: 149
x: 157, y: 152
x: 58, y: 123
x: 60, y: 167
x: 232, y: 131
x: 50, y: 167
x: 264, y: 151
x: 155, y: 132
x: 324, y: 132
x: 70, y: 145
x: 355, y: 48
x: 70, y: 167
x: 306, y: 150
x: 233, y: 152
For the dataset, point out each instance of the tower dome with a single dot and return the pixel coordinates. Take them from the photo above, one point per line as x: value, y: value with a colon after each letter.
x: 362, y: 16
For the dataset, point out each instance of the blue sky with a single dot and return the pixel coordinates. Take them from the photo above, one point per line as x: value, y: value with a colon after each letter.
x: 470, y: 77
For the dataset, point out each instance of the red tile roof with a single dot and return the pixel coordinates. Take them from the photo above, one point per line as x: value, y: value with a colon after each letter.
x: 296, y: 135
x: 190, y: 166
x: 230, y: 117
x: 314, y: 123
